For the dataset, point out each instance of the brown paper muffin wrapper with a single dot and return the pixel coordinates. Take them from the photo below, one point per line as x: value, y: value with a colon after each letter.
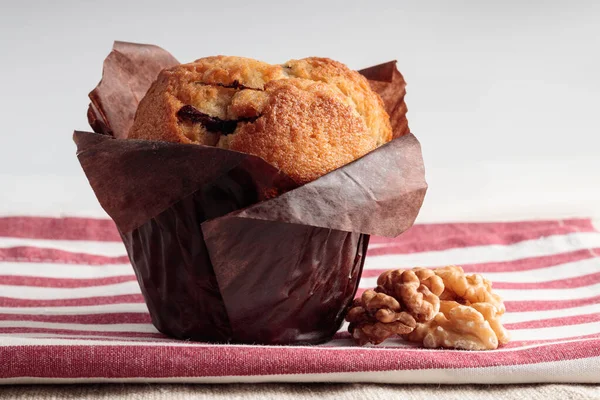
x: 215, y: 257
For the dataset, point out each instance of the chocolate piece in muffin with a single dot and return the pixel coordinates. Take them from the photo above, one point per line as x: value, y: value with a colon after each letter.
x: 306, y: 117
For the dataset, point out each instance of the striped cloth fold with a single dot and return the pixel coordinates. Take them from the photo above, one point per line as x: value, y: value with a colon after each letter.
x: 71, y: 311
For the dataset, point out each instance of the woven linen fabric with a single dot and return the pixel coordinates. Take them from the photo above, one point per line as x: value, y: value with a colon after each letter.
x: 71, y: 311
x: 299, y: 391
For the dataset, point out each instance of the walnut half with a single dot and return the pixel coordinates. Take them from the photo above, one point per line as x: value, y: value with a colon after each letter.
x: 456, y: 326
x: 376, y: 316
x: 469, y: 316
x: 417, y: 290
x: 467, y: 289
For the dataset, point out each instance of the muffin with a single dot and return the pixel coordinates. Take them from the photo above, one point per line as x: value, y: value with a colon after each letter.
x: 217, y: 257
x: 306, y: 117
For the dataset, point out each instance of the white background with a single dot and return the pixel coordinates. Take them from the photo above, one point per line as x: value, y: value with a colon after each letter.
x: 504, y: 95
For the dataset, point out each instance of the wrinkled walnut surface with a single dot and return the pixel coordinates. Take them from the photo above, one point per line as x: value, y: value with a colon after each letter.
x: 413, y: 289
x: 376, y: 316
x: 456, y: 326
x: 467, y: 289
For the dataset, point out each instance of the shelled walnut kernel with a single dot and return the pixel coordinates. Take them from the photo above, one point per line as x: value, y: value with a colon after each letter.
x: 376, y: 316
x: 437, y: 308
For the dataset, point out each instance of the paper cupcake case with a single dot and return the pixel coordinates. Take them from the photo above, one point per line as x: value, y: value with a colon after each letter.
x: 216, y: 258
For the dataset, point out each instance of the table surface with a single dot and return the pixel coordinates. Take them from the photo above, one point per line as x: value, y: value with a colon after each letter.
x: 274, y: 391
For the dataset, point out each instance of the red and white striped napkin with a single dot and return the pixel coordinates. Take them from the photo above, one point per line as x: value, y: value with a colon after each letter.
x: 71, y: 311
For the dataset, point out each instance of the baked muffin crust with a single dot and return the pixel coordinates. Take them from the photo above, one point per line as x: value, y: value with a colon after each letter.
x: 306, y: 117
